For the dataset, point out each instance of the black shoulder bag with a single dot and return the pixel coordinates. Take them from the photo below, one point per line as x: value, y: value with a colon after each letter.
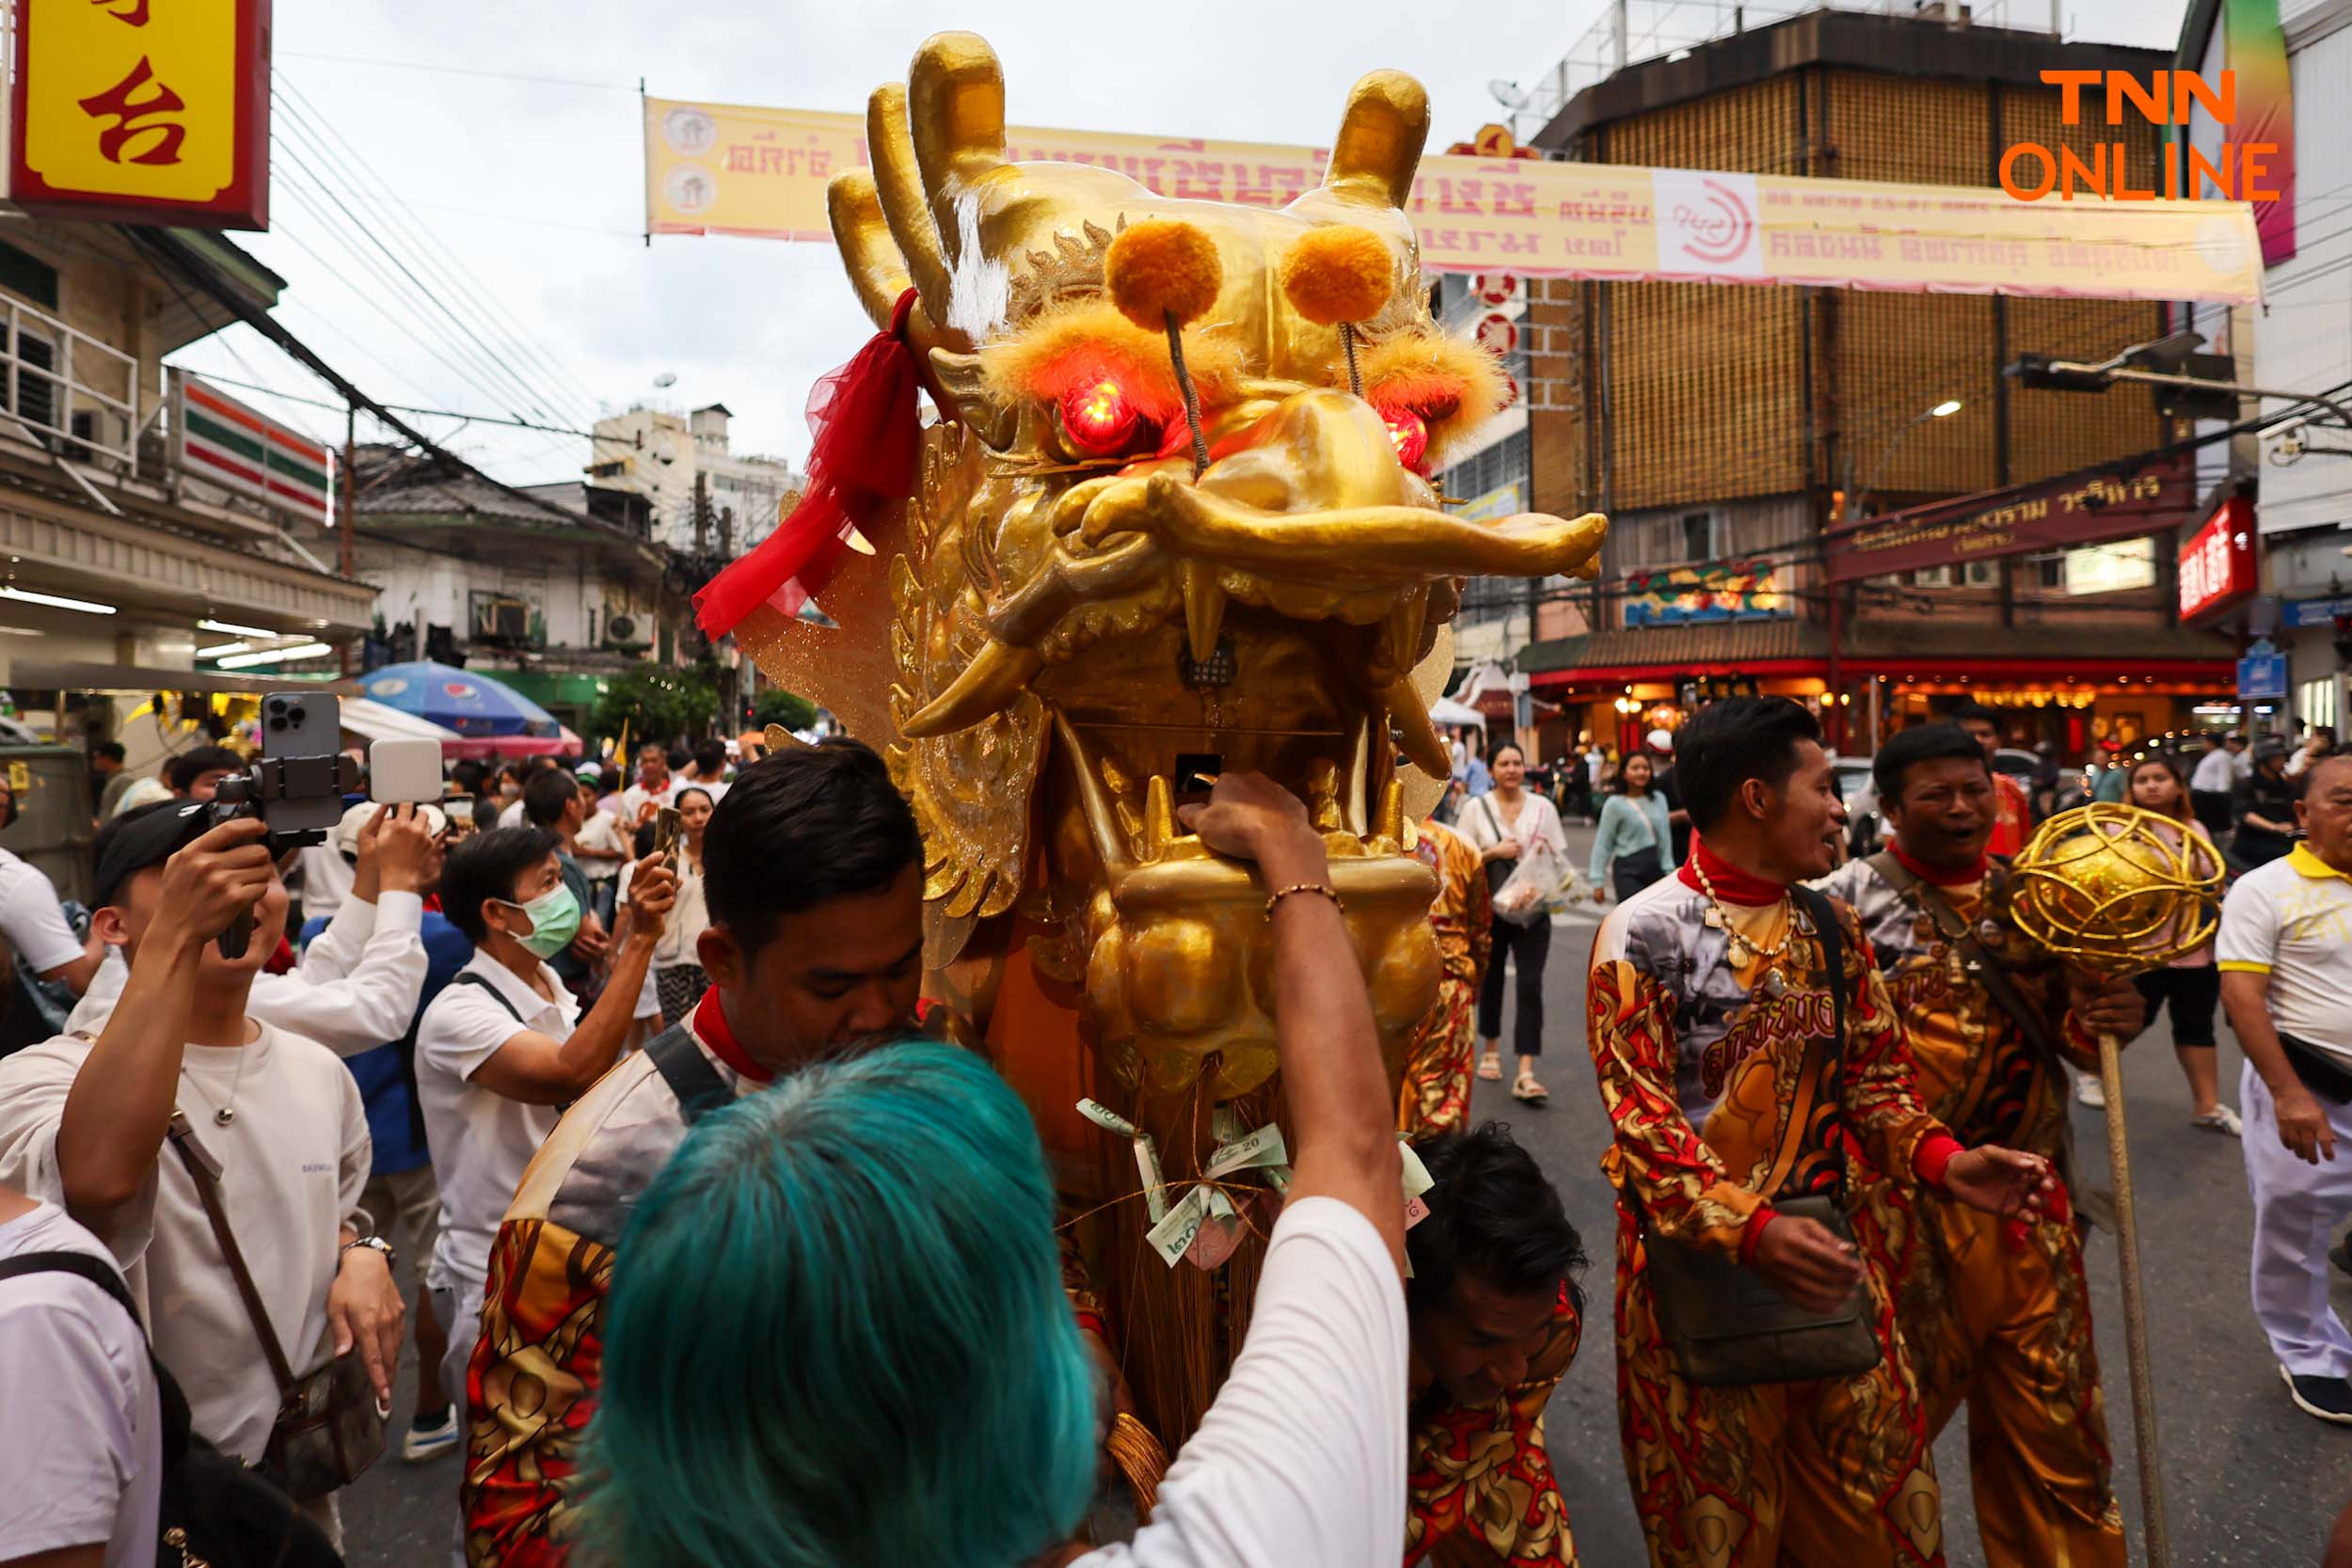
x: 1727, y: 1325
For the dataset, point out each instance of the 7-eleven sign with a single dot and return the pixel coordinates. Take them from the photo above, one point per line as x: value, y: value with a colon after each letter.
x: 219, y: 440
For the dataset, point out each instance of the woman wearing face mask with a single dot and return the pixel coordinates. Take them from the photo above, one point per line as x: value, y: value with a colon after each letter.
x: 677, y: 980
x: 504, y: 1044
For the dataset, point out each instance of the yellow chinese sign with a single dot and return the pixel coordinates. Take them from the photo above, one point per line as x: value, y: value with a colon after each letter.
x: 142, y: 110
x: 716, y: 169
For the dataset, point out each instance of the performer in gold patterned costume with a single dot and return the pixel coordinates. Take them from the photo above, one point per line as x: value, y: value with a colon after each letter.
x: 1435, y: 1097
x: 1082, y: 597
x: 1714, y: 1024
x: 1996, y: 1312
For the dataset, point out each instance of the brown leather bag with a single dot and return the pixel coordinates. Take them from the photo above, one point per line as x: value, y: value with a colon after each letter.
x: 1728, y: 1326
x: 329, y: 1427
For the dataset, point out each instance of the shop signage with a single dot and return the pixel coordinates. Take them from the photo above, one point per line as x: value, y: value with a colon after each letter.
x: 142, y: 111
x: 222, y: 441
x: 2072, y: 509
x: 2317, y: 612
x: 2262, y: 674
x: 1688, y: 595
x: 2217, y: 562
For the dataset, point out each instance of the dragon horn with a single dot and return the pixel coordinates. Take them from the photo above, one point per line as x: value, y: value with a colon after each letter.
x: 899, y: 183
x: 996, y: 675
x: 955, y: 108
x: 1415, y: 731
x: 1378, y: 149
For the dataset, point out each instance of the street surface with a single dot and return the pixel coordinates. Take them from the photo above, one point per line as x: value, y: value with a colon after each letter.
x: 2248, y: 1479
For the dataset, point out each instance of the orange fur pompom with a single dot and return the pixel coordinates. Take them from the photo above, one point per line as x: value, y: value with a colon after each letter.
x: 1163, y: 267
x: 1337, y: 272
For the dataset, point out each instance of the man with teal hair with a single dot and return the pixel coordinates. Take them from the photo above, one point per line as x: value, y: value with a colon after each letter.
x: 878, y: 1371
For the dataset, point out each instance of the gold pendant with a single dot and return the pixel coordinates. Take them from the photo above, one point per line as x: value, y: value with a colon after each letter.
x: 1736, y: 951
x: 1774, y: 986
x: 1712, y: 919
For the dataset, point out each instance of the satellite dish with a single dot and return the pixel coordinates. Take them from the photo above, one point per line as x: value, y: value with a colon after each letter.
x: 667, y: 379
x: 1509, y: 94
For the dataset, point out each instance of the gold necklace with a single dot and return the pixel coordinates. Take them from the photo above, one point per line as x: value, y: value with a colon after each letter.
x: 1738, y: 947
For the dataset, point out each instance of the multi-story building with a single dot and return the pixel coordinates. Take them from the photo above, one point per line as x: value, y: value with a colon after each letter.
x: 708, y: 502
x: 141, y: 520
x: 1724, y: 427
x: 553, y: 589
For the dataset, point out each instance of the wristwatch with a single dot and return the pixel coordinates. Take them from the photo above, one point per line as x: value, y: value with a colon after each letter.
x: 374, y: 1244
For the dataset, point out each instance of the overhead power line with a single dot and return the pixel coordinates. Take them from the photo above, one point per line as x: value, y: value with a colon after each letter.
x: 463, y: 70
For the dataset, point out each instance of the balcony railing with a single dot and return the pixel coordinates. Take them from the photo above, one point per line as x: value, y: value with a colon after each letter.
x: 65, y: 391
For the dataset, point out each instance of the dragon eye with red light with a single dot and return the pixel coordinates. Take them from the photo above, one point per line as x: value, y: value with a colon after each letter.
x: 1099, y: 417
x: 1409, y: 432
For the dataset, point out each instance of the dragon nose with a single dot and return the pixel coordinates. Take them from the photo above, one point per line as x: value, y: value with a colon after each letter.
x: 1319, y: 451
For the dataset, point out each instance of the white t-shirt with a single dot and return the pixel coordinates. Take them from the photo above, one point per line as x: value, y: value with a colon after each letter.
x: 1538, y: 818
x: 82, y: 1461
x: 480, y: 1140
x: 511, y: 813
x: 1300, y: 1463
x: 599, y: 832
x: 32, y: 919
x: 683, y: 926
x: 633, y: 800
x: 715, y: 788
x: 291, y: 1167
x: 2292, y: 919
x: 2214, y: 774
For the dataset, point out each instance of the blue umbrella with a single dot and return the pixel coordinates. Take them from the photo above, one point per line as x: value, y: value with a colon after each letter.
x: 460, y: 700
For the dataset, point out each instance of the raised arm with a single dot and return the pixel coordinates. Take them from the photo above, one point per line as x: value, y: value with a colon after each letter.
x: 1332, y: 1076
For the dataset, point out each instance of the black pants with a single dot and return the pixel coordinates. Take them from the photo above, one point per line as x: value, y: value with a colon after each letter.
x: 1635, y: 870
x: 2194, y: 992
x: 1533, y: 945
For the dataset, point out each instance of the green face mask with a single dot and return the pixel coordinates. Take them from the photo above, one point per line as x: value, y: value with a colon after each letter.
x: 554, y: 922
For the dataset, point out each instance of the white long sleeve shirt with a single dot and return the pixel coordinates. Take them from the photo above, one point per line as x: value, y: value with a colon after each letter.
x: 358, y: 985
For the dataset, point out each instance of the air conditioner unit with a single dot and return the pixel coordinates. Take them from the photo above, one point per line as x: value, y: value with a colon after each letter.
x: 505, y: 621
x: 627, y: 632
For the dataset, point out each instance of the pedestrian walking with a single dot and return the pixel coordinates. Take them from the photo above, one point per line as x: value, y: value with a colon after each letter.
x: 1505, y: 824
x: 2285, y: 954
x: 2189, y: 984
x: 2261, y: 808
x: 1631, y: 848
x: 2210, y: 784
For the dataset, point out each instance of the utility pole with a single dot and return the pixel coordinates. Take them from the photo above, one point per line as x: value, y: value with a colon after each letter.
x: 702, y: 513
x: 347, y: 554
x: 726, y: 532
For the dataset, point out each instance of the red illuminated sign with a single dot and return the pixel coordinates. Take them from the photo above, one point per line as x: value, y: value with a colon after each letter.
x: 2217, y: 560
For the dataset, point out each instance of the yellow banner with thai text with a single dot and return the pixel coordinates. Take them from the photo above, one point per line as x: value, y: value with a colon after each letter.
x: 716, y: 169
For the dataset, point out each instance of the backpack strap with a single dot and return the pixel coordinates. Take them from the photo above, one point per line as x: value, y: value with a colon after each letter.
x: 699, y: 1089
x: 80, y: 1264
x: 470, y: 978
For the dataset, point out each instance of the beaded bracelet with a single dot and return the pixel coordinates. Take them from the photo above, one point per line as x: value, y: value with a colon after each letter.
x: 1324, y: 888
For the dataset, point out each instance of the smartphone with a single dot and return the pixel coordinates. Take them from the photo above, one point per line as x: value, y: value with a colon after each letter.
x: 666, y: 825
x: 305, y: 725
x: 404, y: 770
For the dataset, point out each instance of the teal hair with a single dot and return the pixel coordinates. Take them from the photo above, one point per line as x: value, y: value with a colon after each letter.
x: 838, y: 1336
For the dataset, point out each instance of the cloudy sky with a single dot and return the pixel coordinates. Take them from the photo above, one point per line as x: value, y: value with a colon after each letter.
x: 496, y: 149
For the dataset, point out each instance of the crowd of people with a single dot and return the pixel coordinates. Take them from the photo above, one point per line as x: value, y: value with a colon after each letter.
x: 710, y: 1250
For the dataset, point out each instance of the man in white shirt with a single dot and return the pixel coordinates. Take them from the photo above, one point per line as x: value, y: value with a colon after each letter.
x: 504, y: 1046
x: 654, y: 787
x: 2209, y: 782
x: 2321, y: 742
x: 81, y: 1487
x: 34, y: 920
x: 87, y: 1125
x: 359, y: 983
x: 2285, y: 953
x: 708, y: 771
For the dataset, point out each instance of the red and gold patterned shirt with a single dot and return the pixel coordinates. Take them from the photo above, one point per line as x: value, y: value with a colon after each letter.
x: 1479, y: 1487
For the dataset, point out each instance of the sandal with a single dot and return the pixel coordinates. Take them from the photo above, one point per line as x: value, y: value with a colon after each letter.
x: 1529, y: 1091
x: 1490, y: 1067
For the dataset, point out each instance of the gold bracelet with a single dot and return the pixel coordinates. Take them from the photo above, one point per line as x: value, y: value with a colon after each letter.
x: 1324, y: 888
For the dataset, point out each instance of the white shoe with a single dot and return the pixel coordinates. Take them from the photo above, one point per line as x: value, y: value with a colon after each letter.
x: 2090, y: 1091
x: 422, y: 1443
x: 2220, y: 1119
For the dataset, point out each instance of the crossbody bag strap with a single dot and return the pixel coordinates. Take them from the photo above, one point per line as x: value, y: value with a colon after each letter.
x: 470, y: 978
x: 206, y: 1175
x: 699, y: 1089
x: 1980, y: 963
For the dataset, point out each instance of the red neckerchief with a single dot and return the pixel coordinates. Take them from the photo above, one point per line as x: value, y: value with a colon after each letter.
x: 710, y: 1026
x: 1732, y: 885
x: 1927, y: 873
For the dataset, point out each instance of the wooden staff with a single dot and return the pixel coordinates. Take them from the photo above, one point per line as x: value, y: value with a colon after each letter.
x: 2159, y: 1545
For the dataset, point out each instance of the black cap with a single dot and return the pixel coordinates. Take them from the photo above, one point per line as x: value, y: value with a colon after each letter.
x: 148, y: 836
x: 2269, y: 745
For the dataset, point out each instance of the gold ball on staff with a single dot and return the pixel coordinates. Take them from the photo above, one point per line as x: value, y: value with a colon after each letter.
x: 2115, y: 890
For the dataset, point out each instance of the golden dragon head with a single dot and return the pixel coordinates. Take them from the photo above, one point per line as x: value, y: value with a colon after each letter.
x: 1077, y: 621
